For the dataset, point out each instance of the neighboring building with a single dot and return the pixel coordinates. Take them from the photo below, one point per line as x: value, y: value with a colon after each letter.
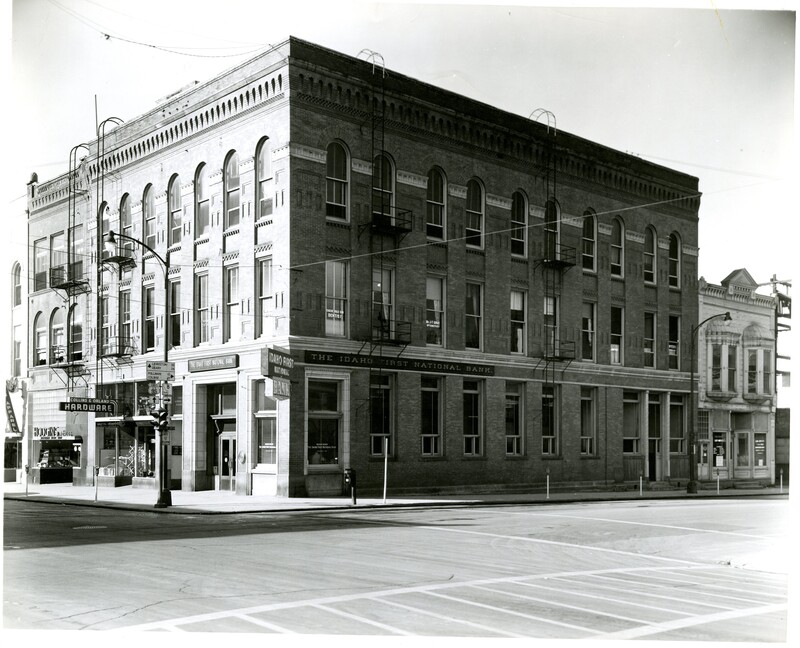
x: 736, y: 381
x: 782, y: 444
x: 486, y: 298
x: 15, y: 450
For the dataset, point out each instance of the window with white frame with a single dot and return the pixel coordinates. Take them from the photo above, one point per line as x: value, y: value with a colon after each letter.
x: 40, y: 260
x: 233, y: 191
x: 434, y: 311
x: 202, y: 213
x: 650, y: 242
x: 431, y: 416
x: 519, y: 224
x: 630, y: 423
x: 336, y: 298
x: 473, y: 324
x: 265, y: 423
x: 518, y: 325
x: 674, y: 342
x: 149, y: 315
x: 435, y: 205
x: 264, y: 198
x: 202, y: 309
x: 58, y: 349
x: 588, y: 421
x: 588, y: 329
x: 126, y: 226
x: 149, y: 216
x: 381, y: 415
x: 265, y: 296
x: 175, y: 211
x: 474, y: 214
x: 674, y: 261
x: 617, y: 247
x: 231, y: 323
x: 16, y: 358
x: 40, y: 336
x: 724, y: 361
x: 551, y: 337
x: 174, y: 313
x: 514, y: 418
x: 549, y: 421
x: 325, y: 419
x: 336, y: 181
x: 649, y: 337
x: 589, y: 241
x: 616, y: 334
x: 16, y: 286
x: 382, y: 307
x: 677, y: 424
x: 77, y: 253
x: 759, y: 372
x: 125, y: 321
x: 473, y: 418
x: 105, y: 325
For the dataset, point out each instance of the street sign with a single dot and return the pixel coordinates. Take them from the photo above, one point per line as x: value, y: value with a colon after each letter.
x: 280, y: 388
x: 159, y: 370
x: 276, y: 362
x: 88, y: 405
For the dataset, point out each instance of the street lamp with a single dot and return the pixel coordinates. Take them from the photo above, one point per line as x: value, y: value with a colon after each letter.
x: 162, y: 485
x: 691, y: 486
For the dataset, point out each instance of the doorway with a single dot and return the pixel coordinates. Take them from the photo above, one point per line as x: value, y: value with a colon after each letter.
x: 226, y: 457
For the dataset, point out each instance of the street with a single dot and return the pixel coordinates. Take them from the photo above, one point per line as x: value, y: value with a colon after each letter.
x: 680, y: 570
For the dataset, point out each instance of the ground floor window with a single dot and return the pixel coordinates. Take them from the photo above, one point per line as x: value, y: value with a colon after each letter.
x: 473, y: 418
x: 381, y: 414
x: 630, y: 423
x: 264, y: 411
x: 12, y: 455
x: 677, y: 425
x: 431, y: 432
x: 514, y: 418
x: 549, y: 421
x: 128, y: 451
x: 588, y: 421
x: 324, y: 422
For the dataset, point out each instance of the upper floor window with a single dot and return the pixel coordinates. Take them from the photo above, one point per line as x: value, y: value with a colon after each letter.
x: 674, y: 342
x: 58, y: 348
x: 435, y: 206
x: 551, y: 230
x: 649, y: 335
x: 126, y: 225
x: 233, y: 195
x: 175, y: 218
x: 202, y: 320
x: 473, y: 334
x: 382, y: 189
x: 518, y: 328
x: 650, y: 255
x: 434, y: 310
x: 474, y: 214
x: 40, y: 259
x: 264, y: 177
x: 616, y: 334
x: 149, y: 216
x: 589, y: 241
x: 77, y: 252
x: 40, y: 340
x: 58, y: 250
x: 588, y: 331
x: 75, y: 334
x: 336, y: 181
x: 264, y: 294
x: 724, y: 358
x: 519, y: 223
x: 336, y: 298
x: 674, y: 261
x: 202, y: 221
x: 617, y: 247
x: 16, y: 285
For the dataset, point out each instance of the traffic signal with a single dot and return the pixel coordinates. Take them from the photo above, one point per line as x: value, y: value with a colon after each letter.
x: 162, y: 420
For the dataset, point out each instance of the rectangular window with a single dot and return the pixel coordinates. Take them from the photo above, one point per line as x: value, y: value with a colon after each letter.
x: 732, y: 362
x: 434, y: 311
x: 588, y: 421
x: 677, y: 425
x: 716, y: 367
x: 231, y: 320
x: 518, y: 328
x: 382, y: 315
x: 336, y: 298
x: 202, y: 310
x: 264, y: 411
x: 40, y: 259
x: 759, y: 449
x: 77, y: 253
x: 752, y: 371
x: 265, y: 299
x: 616, y: 334
x: 431, y: 432
x: 381, y: 415
x: 17, y: 358
x: 324, y: 422
x: 149, y: 314
x: 549, y: 422
x: 105, y: 325
x: 702, y: 425
x: 125, y: 324
x: 674, y: 341
x: 150, y: 228
x: 767, y: 372
x: 174, y: 313
x: 514, y: 418
x: 434, y: 205
x: 473, y: 332
x: 630, y: 423
x: 473, y: 418
x: 551, y: 342
x: 519, y: 224
x: 587, y: 331
x: 649, y: 340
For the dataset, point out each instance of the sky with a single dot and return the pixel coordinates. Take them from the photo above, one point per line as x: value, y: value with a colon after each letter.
x: 706, y: 88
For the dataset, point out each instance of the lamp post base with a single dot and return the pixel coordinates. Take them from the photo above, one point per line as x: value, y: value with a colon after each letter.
x: 691, y: 487
x: 164, y: 499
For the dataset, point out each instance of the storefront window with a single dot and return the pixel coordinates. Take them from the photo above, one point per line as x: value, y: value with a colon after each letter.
x: 760, y: 450
x: 324, y: 419
x: 264, y: 410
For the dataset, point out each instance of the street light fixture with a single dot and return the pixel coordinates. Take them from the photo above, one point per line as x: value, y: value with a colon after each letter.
x: 110, y: 242
x: 691, y: 486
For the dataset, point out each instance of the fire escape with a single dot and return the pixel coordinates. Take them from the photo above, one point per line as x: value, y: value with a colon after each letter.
x: 555, y: 261
x: 386, y: 228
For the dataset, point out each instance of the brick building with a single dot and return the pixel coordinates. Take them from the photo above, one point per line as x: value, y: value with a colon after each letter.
x: 483, y: 298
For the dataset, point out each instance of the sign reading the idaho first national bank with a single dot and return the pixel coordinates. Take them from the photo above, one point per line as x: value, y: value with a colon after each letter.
x: 211, y: 363
x: 401, y: 364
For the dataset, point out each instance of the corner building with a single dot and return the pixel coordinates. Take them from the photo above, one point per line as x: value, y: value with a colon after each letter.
x: 475, y: 299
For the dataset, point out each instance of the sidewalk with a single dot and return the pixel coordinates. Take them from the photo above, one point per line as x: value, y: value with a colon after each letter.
x: 211, y: 502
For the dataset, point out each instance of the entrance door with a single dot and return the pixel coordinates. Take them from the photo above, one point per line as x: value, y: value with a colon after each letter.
x: 653, y: 456
x: 227, y: 461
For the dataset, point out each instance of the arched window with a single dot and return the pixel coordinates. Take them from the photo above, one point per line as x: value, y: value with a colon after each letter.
x: 105, y: 225
x: 58, y: 349
x: 75, y: 334
x: 264, y: 178
x: 16, y: 285
x: 551, y: 230
x: 149, y: 216
x: 589, y: 241
x: 435, y: 205
x: 650, y: 240
x: 126, y: 225
x: 674, y: 260
x: 519, y: 223
x: 617, y: 248
x: 232, y: 190
x: 474, y: 214
x: 175, y: 210
x: 40, y: 340
x: 336, y: 181
x: 201, y: 212
x: 382, y: 189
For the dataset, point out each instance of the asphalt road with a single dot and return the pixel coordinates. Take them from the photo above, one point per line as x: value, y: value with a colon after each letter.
x: 681, y: 570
